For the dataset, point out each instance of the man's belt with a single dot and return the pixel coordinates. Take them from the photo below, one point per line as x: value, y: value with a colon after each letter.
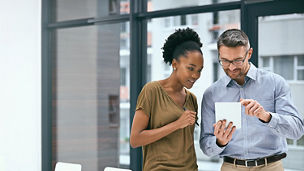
x: 255, y: 162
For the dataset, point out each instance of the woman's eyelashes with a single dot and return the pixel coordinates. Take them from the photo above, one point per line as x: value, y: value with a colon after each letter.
x: 192, y: 69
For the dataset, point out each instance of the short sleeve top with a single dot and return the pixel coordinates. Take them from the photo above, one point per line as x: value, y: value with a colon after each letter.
x: 176, y: 150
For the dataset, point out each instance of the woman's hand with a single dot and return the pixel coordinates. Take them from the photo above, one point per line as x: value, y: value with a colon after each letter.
x: 186, y: 119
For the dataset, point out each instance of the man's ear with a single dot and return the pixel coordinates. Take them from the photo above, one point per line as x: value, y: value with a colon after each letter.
x: 250, y: 51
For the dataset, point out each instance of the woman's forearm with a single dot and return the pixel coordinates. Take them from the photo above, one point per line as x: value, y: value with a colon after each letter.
x: 149, y: 136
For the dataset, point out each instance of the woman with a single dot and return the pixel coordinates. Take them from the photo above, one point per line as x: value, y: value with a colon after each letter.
x: 166, y: 112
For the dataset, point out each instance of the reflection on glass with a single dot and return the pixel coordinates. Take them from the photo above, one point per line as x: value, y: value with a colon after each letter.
x: 208, y: 26
x: 283, y: 46
x: 90, y: 97
x: 77, y: 9
x: 154, y: 5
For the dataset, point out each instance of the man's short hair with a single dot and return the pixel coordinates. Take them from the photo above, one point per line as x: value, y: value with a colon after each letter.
x: 233, y: 38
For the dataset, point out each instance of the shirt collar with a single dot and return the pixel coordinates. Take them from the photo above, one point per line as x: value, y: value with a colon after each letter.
x: 251, y: 74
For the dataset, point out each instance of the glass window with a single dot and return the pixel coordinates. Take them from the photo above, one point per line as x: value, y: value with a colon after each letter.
x: 283, y: 65
x: 77, y: 9
x: 176, y: 21
x: 167, y: 22
x: 266, y: 61
x: 123, y: 79
x: 300, y: 142
x: 90, y: 101
x: 205, y: 29
x: 290, y: 142
x: 300, y: 59
x: 194, y: 19
x: 154, y: 5
x: 282, y: 52
x: 300, y: 74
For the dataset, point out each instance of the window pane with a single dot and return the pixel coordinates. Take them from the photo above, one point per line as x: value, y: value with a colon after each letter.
x: 206, y: 27
x: 283, y: 50
x: 266, y: 61
x: 91, y: 107
x: 300, y: 142
x: 77, y: 9
x: 124, y: 149
x: 154, y: 5
x: 300, y: 60
x: 300, y: 74
x: 283, y: 65
x: 289, y: 141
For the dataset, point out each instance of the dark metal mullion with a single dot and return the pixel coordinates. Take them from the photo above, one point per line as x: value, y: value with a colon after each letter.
x: 138, y: 63
x: 70, y: 23
x: 243, y: 16
x: 46, y: 93
x: 90, y: 21
x: 250, y: 28
x: 277, y: 8
x: 191, y: 10
x: 252, y: 32
x: 110, y: 19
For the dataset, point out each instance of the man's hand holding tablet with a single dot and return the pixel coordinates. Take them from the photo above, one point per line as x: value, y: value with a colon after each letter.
x: 226, y: 113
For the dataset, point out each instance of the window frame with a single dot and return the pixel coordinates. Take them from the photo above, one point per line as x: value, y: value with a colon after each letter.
x: 138, y: 17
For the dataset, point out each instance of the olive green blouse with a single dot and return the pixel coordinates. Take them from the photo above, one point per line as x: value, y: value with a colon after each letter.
x: 176, y: 150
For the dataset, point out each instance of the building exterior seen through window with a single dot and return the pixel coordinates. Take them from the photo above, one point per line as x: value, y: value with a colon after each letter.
x: 91, y: 96
x: 281, y: 51
x: 92, y: 82
x: 153, y: 5
x: 209, y: 26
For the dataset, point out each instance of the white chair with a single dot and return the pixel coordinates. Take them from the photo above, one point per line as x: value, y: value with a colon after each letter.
x: 60, y: 166
x: 115, y: 169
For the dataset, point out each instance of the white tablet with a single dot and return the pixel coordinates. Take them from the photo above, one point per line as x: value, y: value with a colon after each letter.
x: 231, y: 111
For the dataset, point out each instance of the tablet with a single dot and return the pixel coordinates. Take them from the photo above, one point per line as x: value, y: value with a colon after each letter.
x: 231, y: 111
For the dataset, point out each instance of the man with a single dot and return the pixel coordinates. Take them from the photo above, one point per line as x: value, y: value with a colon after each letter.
x: 268, y: 113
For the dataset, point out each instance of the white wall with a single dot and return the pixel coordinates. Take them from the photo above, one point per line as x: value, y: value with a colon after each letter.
x: 20, y: 85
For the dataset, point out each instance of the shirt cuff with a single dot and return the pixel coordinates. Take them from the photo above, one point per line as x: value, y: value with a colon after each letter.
x: 274, y: 120
x: 217, y: 149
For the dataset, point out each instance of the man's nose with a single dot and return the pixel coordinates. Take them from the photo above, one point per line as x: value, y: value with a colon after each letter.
x: 231, y: 67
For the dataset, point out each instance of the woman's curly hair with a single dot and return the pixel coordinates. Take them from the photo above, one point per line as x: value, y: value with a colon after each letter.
x: 178, y: 43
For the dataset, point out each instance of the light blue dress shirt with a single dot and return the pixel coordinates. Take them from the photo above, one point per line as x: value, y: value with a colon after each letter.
x: 254, y: 139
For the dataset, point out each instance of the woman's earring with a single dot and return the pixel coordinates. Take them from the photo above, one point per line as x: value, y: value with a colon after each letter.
x: 174, y: 69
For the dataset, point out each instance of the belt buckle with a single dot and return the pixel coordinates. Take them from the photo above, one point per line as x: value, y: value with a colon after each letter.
x: 255, y: 162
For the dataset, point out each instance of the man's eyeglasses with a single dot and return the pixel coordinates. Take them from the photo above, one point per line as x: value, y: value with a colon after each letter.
x: 237, y: 62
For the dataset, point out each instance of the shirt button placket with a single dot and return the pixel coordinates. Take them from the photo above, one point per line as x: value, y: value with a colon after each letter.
x: 244, y: 124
